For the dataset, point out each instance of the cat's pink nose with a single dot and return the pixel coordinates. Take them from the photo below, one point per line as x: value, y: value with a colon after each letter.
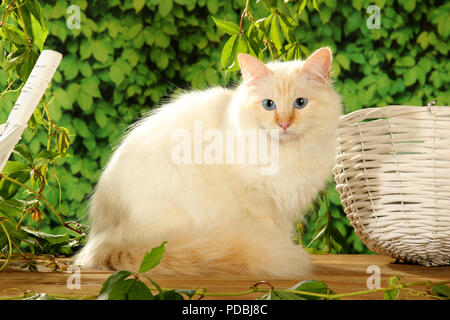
x: 284, y: 125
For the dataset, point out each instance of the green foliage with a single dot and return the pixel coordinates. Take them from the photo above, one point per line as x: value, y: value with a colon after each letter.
x: 23, y: 33
x: 153, y: 258
x: 128, y: 55
x: 299, y: 291
x: 441, y: 290
x: 127, y: 285
x: 23, y: 179
x: 394, y: 293
x: 326, y: 229
x: 120, y: 286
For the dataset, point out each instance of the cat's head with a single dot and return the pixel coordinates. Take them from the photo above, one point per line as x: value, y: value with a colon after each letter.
x: 289, y: 96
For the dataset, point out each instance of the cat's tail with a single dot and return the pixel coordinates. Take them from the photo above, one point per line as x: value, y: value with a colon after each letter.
x: 219, y: 251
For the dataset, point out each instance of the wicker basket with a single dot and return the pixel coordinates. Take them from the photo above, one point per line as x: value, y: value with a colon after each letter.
x: 393, y: 175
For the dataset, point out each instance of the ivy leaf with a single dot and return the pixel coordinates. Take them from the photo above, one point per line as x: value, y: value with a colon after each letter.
x: 165, y: 7
x: 71, y: 71
x: 301, y: 7
x: 333, y: 196
x: 153, y: 258
x: 343, y: 61
x: 15, y: 170
x: 357, y: 4
x: 90, y: 86
x: 47, y: 155
x: 325, y: 15
x: 315, y: 5
x: 229, y: 51
x: 269, y: 4
x: 311, y: 286
x: 14, y: 35
x: 189, y: 292
x: 85, y: 49
x: 36, y: 10
x: 275, y: 32
x: 109, y: 284
x: 337, y: 236
x: 441, y: 290
x: 279, y: 294
x: 227, y: 26
x: 85, y: 101
x: 51, y: 238
x: 101, y: 118
x: 120, y: 289
x: 393, y: 293
x: 213, y: 6
x: 138, y: 5
x: 407, y: 61
x: 81, y: 128
x: 38, y: 32
x: 287, y: 28
x: 12, y: 208
x: 24, y: 151
x: 131, y: 289
x: 169, y: 295
x: 358, y: 58
x: 290, y: 54
x: 116, y: 74
x: 100, y: 53
x: 409, y: 5
x: 410, y: 76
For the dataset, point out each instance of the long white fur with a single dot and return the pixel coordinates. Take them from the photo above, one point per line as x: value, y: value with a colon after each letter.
x: 217, y: 219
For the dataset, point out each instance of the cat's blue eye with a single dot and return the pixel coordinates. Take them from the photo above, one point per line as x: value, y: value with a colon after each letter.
x: 269, y: 104
x: 300, y: 103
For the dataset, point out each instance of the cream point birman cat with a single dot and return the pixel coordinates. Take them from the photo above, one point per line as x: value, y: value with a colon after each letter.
x: 220, y: 218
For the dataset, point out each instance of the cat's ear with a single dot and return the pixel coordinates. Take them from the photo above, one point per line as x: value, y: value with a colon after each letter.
x: 318, y: 65
x: 252, y: 69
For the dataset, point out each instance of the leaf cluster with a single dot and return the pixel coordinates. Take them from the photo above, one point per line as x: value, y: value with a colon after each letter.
x: 22, y: 182
x: 22, y: 36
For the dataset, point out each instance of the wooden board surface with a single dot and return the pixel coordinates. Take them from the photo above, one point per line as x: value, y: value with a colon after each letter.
x: 342, y: 273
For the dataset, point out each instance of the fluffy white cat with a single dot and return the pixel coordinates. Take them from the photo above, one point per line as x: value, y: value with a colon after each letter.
x: 220, y: 218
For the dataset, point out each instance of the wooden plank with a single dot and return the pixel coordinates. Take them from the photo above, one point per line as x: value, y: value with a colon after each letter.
x: 342, y: 273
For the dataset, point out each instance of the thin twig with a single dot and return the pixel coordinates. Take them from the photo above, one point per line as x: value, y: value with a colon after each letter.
x: 9, y: 245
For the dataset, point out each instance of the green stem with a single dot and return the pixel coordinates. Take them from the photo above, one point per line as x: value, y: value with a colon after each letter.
x: 230, y: 294
x: 4, y: 13
x: 19, y: 296
x: 43, y: 199
x: 9, y: 245
x: 204, y: 293
x: 62, y: 296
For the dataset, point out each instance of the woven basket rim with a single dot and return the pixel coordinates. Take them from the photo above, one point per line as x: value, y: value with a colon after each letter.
x: 399, y: 110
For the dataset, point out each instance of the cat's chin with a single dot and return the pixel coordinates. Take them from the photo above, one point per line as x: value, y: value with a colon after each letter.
x: 288, y: 136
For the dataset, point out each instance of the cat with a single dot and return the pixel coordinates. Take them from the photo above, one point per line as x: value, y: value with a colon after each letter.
x: 220, y: 218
